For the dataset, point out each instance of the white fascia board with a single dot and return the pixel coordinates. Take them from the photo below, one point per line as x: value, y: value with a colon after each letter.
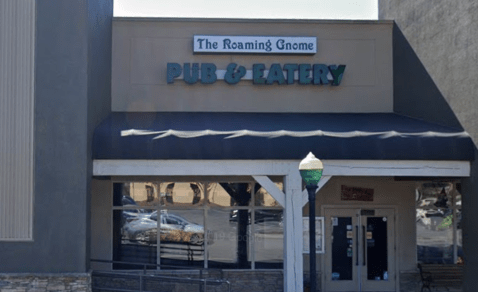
x: 397, y: 168
x: 271, y: 188
x: 192, y: 167
x: 279, y: 167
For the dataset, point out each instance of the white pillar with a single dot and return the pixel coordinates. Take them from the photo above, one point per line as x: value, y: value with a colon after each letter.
x: 293, y: 258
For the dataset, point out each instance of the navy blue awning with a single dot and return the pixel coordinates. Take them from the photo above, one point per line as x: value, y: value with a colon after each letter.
x: 383, y: 136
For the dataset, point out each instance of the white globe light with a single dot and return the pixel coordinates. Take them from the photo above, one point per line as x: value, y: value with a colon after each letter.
x: 310, y: 162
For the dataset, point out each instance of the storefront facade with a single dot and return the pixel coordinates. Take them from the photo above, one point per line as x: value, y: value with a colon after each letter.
x: 177, y: 142
x: 208, y: 125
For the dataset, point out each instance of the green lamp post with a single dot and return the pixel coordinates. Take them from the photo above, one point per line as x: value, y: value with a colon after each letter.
x: 311, y: 171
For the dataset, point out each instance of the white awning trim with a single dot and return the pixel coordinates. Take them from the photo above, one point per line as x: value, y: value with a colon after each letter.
x: 286, y: 133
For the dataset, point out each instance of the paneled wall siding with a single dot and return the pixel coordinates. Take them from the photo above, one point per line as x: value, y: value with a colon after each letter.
x: 17, y: 43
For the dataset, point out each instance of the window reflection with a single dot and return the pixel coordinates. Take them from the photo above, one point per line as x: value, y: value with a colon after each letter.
x: 231, y: 239
x: 226, y: 194
x: 435, y: 204
x: 263, y: 199
x: 134, y: 240
x: 268, y: 239
x: 182, y: 237
x: 181, y: 194
x: 169, y: 222
x: 143, y: 194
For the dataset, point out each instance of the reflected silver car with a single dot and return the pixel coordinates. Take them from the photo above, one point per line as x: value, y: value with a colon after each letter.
x: 174, y: 229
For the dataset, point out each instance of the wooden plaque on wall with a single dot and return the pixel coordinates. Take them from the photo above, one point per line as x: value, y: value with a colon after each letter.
x: 356, y: 194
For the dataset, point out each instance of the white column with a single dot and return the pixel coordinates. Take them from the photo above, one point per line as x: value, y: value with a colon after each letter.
x: 271, y: 188
x: 293, y: 258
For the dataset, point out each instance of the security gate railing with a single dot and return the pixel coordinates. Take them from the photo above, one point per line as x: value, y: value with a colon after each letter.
x: 138, y: 280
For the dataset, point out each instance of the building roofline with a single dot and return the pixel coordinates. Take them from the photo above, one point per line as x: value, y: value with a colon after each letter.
x: 248, y: 20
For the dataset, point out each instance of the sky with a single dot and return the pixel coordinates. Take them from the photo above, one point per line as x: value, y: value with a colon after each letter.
x: 295, y: 9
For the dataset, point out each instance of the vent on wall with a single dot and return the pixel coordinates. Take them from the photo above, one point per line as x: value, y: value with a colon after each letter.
x: 17, y: 43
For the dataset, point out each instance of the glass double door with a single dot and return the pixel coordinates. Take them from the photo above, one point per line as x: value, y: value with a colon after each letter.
x: 360, y: 250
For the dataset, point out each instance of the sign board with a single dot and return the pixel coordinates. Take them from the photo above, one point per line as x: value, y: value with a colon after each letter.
x: 356, y: 194
x: 254, y: 44
x: 319, y: 235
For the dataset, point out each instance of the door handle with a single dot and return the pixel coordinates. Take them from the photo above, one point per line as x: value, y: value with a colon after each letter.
x: 357, y: 245
x: 364, y: 241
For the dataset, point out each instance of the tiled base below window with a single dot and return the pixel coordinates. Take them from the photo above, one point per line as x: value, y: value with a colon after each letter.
x: 45, y: 282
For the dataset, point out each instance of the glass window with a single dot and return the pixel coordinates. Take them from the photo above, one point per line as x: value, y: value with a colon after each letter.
x: 225, y: 194
x: 230, y: 248
x: 143, y: 194
x: 437, y: 217
x: 182, y: 237
x: 377, y: 259
x: 181, y: 194
x: 134, y: 240
x: 240, y: 226
x: 459, y: 231
x: 342, y: 260
x: 263, y: 199
x: 268, y: 239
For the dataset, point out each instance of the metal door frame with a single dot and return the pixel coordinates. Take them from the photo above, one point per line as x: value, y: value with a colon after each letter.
x: 358, y: 207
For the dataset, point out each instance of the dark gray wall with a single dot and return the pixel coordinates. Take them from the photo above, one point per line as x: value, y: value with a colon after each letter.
x: 415, y: 94
x: 72, y: 94
x: 99, y: 83
x: 443, y: 35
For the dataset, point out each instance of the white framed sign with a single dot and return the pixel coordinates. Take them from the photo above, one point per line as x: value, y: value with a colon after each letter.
x: 255, y: 44
x: 319, y: 235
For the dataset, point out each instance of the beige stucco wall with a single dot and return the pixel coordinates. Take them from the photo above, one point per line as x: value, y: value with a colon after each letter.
x: 143, y: 47
x: 387, y: 192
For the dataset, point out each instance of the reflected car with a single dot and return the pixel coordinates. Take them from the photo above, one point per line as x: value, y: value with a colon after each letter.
x: 261, y: 215
x: 133, y: 213
x: 174, y: 229
x: 141, y: 230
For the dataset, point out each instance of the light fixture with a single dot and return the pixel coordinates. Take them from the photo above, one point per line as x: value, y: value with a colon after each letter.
x: 311, y: 171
